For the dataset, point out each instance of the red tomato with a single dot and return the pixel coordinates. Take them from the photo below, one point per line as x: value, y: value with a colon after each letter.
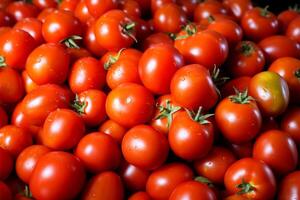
x: 7, y: 163
x: 28, y: 82
x: 277, y: 150
x: 132, y: 8
x: 156, y: 4
x: 98, y: 152
x: 293, y: 29
x: 242, y: 150
x: 192, y: 79
x: 285, y: 17
x: 188, y: 6
x: 45, y: 12
x: 6, y: 19
x: 91, y: 43
x: 28, y: 159
x: 144, y: 147
x: 81, y: 12
x: 155, y: 39
x: 192, y: 190
x: 113, y: 129
x: 77, y: 53
x: 214, y: 165
x: 157, y: 66
x: 4, y: 3
x: 290, y: 123
x: 32, y: 26
x: 165, y: 179
x: 208, y: 8
x: 106, y: 185
x: 5, y: 192
x: 238, y: 7
x: 68, y: 5
x: 64, y: 178
x: 240, y: 83
x: 250, y: 178
x: 3, y: 117
x: 45, y: 3
x: 130, y: 104
x: 98, y: 7
x: 290, y: 187
x: 140, y: 196
x: 21, y: 10
x: 14, y: 139
x: 191, y: 135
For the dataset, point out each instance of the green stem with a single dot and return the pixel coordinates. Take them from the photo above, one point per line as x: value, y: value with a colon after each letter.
x: 78, y: 105
x: 2, y: 62
x: 113, y: 59
x: 205, y: 181
x: 246, y: 48
x: 245, y: 188
x: 297, y: 73
x: 128, y: 29
x: 264, y: 11
x: 199, y: 117
x: 190, y: 29
x: 167, y: 112
x: 241, y: 97
x: 217, y: 79
x: 70, y: 41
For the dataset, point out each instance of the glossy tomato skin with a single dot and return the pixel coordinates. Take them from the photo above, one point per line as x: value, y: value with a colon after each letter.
x: 208, y: 8
x: 214, y: 165
x: 197, y: 141
x: 289, y: 69
x: 293, y: 29
x: 21, y: 10
x: 272, y: 99
x: 172, y: 175
x: 156, y: 4
x: 6, y: 19
x: 144, y: 142
x: 192, y: 190
x: 132, y: 8
x: 41, y: 4
x: 140, y: 196
x: 99, y: 7
x: 285, y: 17
x: 82, y: 13
x: 130, y: 104
x: 240, y: 83
x: 157, y: 66
x: 68, y: 5
x: 192, y: 79
x: 7, y: 163
x: 238, y: 7
x: 66, y: 177
x: 106, y: 185
x: 290, y: 186
x: 15, y: 46
x: 5, y: 192
x: 290, y: 123
x: 277, y: 150
x: 48, y: 63
x: 32, y: 26
x: 98, y: 152
x: 28, y: 159
x: 91, y: 43
x: 154, y: 39
x: 113, y: 129
x: 254, y: 172
x: 44, y: 13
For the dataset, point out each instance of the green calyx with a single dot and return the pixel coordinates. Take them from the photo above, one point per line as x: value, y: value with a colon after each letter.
x: 70, y: 41
x: 190, y: 29
x: 245, y: 188
x: 297, y: 73
x: 167, y: 112
x: 217, y: 79
x: 2, y: 62
x: 128, y: 29
x: 205, y: 181
x: 295, y: 8
x: 199, y: 117
x: 27, y: 193
x: 264, y: 11
x: 78, y: 105
x: 241, y: 97
x: 113, y: 59
x: 246, y: 48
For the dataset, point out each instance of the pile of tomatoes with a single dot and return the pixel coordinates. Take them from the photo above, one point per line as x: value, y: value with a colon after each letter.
x: 149, y: 100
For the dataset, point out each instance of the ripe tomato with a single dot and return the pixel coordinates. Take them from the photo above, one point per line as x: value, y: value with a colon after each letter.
x: 15, y: 46
x: 238, y: 7
x: 14, y: 139
x: 98, y: 7
x: 156, y: 38
x: 144, y: 147
x: 82, y: 13
x: 68, y: 5
x: 28, y: 159
x: 191, y: 135
x: 272, y: 99
x: 86, y: 73
x: 293, y: 29
x: 45, y: 12
x: 77, y: 53
x: 3, y: 117
x: 41, y: 4
x: 134, y: 178
x: 48, y: 63
x: 130, y: 104
x: 32, y: 26
x: 238, y: 112
x: 246, y: 59
x: 106, y: 185
x: 214, y: 165
x: 285, y: 17
x: 21, y: 10
x: 91, y: 43
x: 98, y: 152
x: 208, y: 8
x: 192, y: 190
x: 156, y: 4
x: 5, y: 19
x: 250, y: 178
x: 290, y: 123
x: 188, y: 7
x: 165, y: 179
x: 290, y: 187
x: 5, y: 192
x: 240, y: 84
x: 7, y: 163
x: 64, y: 178
x: 140, y: 196
x: 113, y: 129
x: 157, y: 66
x: 192, y: 79
x: 277, y: 150
x: 242, y: 150
x: 132, y: 8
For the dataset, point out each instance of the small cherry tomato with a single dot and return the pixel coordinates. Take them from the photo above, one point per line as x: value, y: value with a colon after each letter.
x: 113, y: 129
x: 290, y: 187
x: 7, y: 163
x: 290, y: 123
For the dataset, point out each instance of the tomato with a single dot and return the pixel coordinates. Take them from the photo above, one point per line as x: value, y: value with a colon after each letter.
x: 238, y: 7
x: 155, y: 39
x: 32, y: 26
x: 242, y: 150
x: 82, y: 13
x: 144, y: 147
x: 45, y: 12
x: 289, y: 69
x: 3, y: 117
x: 68, y: 5
x: 6, y: 19
x: 208, y: 8
x: 86, y: 73
x: 5, y: 192
x: 259, y: 23
x: 192, y: 79
x: 188, y: 7
x: 113, y: 129
x: 90, y: 42
x: 164, y: 180
x: 157, y: 4
x: 130, y: 104
x: 134, y: 178
x: 250, y: 178
x: 7, y: 163
x: 277, y: 150
x: 207, y: 48
x: 98, y: 7
x: 191, y: 135
x: 192, y: 190
x: 290, y: 123
x: 236, y: 197
x: 123, y: 67
x: 98, y: 152
x: 48, y: 63
x: 28, y: 159
x: 64, y: 180
x: 238, y: 112
x: 45, y: 3
x: 293, y: 30
x: 11, y: 85
x: 157, y: 66
x: 246, y: 59
x: 271, y: 93
x: 278, y: 46
x: 285, y: 17
x: 106, y: 185
x: 140, y: 196
x: 15, y: 46
x: 4, y: 3
x: 132, y: 8
x: 66, y: 26
x: 115, y: 30
x: 240, y: 84
x: 77, y: 53
x: 21, y: 10
x: 214, y: 165
x: 290, y: 187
